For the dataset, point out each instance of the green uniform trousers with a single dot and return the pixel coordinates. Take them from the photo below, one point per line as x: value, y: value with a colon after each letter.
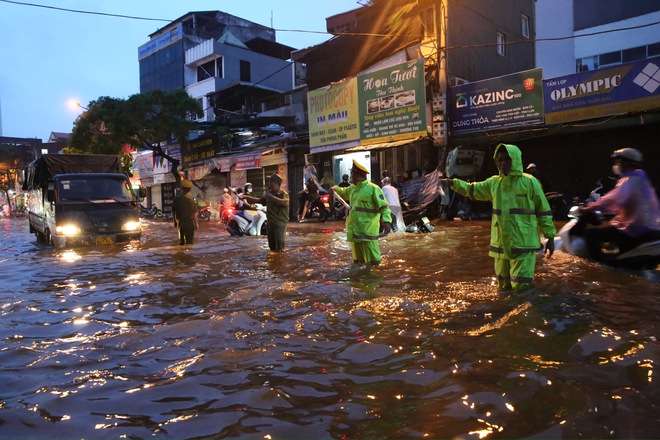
x: 515, y: 273
x: 186, y: 232
x: 276, y: 236
x: 366, y: 252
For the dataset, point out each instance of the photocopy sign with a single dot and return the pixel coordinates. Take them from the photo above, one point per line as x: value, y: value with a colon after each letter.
x: 392, y: 103
x: 622, y: 89
x: 333, y: 116
x: 502, y: 102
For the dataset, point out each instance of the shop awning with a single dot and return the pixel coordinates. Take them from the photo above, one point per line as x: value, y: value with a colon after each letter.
x: 385, y: 145
x: 245, y: 160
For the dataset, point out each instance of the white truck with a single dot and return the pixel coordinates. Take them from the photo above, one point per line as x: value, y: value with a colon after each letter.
x: 80, y: 199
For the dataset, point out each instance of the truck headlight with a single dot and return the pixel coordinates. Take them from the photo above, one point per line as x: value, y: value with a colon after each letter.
x: 131, y: 226
x: 67, y: 230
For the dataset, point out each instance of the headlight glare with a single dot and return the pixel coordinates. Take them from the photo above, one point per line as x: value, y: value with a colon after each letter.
x: 131, y: 226
x: 68, y: 230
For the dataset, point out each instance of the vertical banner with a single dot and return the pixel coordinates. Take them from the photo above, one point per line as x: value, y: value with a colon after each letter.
x: 393, y: 103
x: 333, y: 115
x: 502, y: 102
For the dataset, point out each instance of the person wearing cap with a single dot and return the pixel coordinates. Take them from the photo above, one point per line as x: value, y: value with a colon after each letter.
x: 184, y: 213
x: 534, y: 171
x: 368, y: 208
x: 277, y: 212
x: 634, y: 204
x: 520, y: 209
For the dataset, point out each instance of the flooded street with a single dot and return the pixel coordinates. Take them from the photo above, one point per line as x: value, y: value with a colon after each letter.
x: 224, y: 340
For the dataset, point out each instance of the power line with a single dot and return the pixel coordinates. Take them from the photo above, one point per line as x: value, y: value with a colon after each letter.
x: 353, y: 34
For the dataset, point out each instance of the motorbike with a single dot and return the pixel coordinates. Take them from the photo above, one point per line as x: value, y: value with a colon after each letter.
x: 154, y: 211
x: 319, y: 208
x: 204, y: 213
x: 415, y: 217
x: 247, y: 222
x: 569, y: 239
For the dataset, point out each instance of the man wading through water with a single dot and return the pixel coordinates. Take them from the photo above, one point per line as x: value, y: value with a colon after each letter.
x: 368, y: 208
x: 519, y: 209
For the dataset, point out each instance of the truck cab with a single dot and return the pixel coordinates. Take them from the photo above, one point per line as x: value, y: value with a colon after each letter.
x: 83, y: 208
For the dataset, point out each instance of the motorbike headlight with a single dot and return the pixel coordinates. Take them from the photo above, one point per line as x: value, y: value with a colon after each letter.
x: 131, y: 226
x: 67, y: 230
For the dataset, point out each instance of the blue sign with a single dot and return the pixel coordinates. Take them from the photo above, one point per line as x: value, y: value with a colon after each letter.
x: 630, y: 87
x: 503, y: 102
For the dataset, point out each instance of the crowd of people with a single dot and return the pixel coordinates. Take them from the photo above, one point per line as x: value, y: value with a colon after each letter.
x: 521, y: 214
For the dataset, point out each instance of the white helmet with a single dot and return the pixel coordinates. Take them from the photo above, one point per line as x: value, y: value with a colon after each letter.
x: 630, y: 154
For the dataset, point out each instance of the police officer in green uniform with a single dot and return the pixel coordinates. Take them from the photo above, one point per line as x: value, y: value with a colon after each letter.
x: 277, y: 212
x: 184, y: 213
x: 368, y: 208
x: 520, y: 209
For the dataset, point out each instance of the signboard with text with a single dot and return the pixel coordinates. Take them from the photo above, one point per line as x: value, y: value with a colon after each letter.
x: 334, y: 115
x: 248, y: 161
x: 626, y: 88
x: 198, y: 151
x: 393, y: 103
x: 497, y: 103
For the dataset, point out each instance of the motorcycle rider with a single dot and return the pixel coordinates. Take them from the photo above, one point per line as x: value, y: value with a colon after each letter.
x: 309, y: 195
x: 344, y: 182
x: 635, y: 206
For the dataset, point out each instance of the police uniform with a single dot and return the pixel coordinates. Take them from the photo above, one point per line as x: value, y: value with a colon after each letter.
x: 519, y: 210
x: 368, y: 208
x: 184, y: 210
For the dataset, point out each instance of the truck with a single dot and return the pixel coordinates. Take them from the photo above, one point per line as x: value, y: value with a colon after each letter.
x: 80, y: 200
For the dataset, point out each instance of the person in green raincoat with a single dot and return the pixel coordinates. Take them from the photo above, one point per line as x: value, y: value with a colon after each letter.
x: 520, y: 209
x: 368, y: 208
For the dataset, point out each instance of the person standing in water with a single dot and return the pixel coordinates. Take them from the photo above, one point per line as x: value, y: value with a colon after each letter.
x: 519, y: 210
x: 368, y: 208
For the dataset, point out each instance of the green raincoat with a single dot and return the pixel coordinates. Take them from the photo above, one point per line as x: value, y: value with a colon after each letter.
x: 368, y: 206
x: 519, y: 208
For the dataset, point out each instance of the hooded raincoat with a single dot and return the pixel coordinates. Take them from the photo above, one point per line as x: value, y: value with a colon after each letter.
x: 520, y: 209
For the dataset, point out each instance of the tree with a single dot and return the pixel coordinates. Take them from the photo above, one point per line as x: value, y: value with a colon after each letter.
x: 142, y: 121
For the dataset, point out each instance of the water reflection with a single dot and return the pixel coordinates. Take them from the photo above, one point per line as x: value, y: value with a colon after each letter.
x: 223, y: 339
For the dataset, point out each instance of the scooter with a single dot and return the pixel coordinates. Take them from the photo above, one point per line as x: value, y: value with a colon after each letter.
x: 248, y: 222
x: 154, y: 211
x: 644, y: 256
x: 415, y: 218
x: 204, y: 213
x: 319, y: 208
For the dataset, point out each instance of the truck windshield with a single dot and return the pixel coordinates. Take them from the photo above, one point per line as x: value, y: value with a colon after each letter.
x: 94, y: 189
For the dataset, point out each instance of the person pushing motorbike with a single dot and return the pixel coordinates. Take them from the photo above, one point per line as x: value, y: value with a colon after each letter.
x: 368, y: 208
x: 634, y: 204
x: 519, y: 210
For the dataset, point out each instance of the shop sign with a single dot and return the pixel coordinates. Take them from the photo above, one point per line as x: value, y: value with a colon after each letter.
x: 197, y: 151
x: 224, y: 163
x: 273, y: 157
x: 249, y: 161
x: 496, y: 103
x: 334, y: 114
x: 393, y: 103
x: 197, y: 173
x: 630, y: 87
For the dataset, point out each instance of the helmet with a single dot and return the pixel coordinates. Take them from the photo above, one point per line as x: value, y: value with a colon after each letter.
x: 530, y: 166
x: 630, y: 154
x: 344, y: 177
x: 186, y: 184
x: 225, y: 190
x: 248, y: 188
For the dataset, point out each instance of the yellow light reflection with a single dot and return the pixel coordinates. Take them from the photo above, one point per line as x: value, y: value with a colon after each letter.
x: 70, y: 256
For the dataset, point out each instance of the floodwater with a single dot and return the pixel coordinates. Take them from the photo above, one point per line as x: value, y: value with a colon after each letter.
x: 224, y: 340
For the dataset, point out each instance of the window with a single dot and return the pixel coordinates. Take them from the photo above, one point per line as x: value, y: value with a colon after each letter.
x: 653, y: 50
x: 245, y: 71
x: 610, y: 58
x: 634, y: 54
x: 501, y: 44
x: 428, y: 24
x: 524, y: 25
x: 206, y: 71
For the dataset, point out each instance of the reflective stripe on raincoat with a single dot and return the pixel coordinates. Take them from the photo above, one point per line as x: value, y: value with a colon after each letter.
x: 519, y: 208
x: 368, y: 206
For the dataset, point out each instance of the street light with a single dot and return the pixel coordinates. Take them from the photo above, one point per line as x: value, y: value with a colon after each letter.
x: 75, y: 104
